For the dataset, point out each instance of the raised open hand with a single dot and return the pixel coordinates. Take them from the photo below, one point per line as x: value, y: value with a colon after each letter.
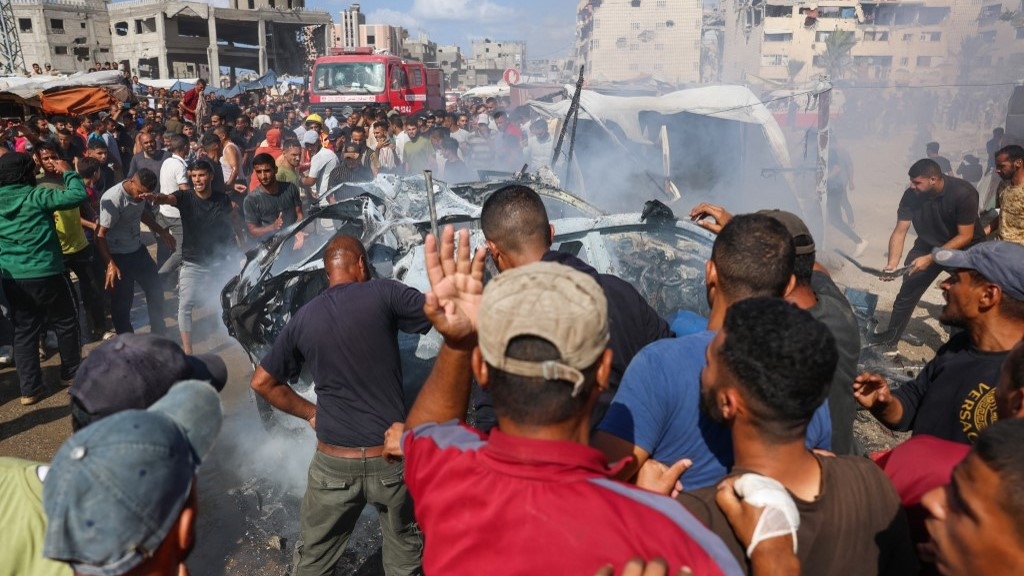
x: 456, y: 287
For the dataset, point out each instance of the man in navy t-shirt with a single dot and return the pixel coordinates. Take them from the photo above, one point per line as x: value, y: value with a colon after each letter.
x: 657, y: 411
x: 348, y: 337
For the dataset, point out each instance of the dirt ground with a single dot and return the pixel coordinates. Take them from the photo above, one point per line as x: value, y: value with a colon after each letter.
x: 252, y: 484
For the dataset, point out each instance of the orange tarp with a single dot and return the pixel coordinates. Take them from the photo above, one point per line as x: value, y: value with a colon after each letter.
x: 77, y: 101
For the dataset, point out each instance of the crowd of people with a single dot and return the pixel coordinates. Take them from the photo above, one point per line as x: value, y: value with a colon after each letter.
x: 616, y: 445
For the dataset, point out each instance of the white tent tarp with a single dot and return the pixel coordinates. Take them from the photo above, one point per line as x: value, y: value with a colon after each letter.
x: 31, y: 87
x: 735, y: 103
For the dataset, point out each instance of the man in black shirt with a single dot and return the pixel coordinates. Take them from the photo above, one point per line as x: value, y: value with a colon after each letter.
x: 516, y: 227
x: 348, y: 337
x: 954, y: 396
x: 272, y: 205
x: 208, y: 243
x: 932, y: 149
x: 944, y: 213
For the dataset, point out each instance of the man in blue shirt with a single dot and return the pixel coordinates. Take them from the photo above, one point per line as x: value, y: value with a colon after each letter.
x: 656, y: 414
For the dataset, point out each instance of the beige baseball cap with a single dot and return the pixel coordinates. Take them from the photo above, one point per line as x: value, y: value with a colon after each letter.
x: 550, y: 301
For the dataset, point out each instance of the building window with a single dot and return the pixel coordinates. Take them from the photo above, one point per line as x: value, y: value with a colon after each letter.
x: 989, y: 36
x: 782, y: 37
x: 146, y: 26
x: 1020, y: 33
x: 60, y: 50
x: 773, y: 11
x: 634, y: 67
x: 908, y: 37
x: 991, y: 12
x: 121, y: 28
x: 659, y: 47
x: 876, y: 36
x: 904, y: 61
x: 924, y: 61
x: 371, y: 40
x: 659, y: 66
x: 774, y: 60
x: 822, y: 36
x: 83, y: 25
x: 661, y: 4
x: 634, y: 47
x: 25, y: 24
x: 56, y: 25
x: 635, y: 25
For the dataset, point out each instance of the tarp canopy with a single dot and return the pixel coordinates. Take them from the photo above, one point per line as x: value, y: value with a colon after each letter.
x: 170, y: 83
x: 226, y: 92
x: 77, y: 101
x: 31, y: 87
x: 268, y: 80
x: 735, y: 103
x: 81, y: 93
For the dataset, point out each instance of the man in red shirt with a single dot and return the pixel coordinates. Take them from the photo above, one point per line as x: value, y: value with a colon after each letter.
x: 190, y: 101
x: 531, y: 497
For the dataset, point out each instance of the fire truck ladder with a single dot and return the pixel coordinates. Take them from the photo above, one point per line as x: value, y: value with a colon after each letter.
x: 11, y: 60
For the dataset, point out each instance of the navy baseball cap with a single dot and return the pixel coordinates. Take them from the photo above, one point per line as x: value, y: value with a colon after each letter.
x: 1001, y: 263
x: 116, y: 488
x: 132, y: 371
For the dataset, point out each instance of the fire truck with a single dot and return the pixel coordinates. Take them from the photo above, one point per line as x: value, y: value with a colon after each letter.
x: 356, y: 77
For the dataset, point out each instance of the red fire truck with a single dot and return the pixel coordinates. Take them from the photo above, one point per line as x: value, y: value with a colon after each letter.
x: 357, y: 76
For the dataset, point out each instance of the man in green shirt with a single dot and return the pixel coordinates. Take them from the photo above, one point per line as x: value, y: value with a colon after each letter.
x: 32, y: 267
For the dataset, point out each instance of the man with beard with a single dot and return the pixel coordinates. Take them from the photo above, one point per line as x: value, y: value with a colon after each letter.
x: 1010, y: 201
x: 656, y: 413
x: 768, y: 369
x: 944, y: 213
x: 151, y: 156
x: 954, y: 396
x: 272, y: 205
x: 208, y: 242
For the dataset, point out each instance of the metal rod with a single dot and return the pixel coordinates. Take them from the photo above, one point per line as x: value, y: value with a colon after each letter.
x: 565, y: 123
x: 429, y: 177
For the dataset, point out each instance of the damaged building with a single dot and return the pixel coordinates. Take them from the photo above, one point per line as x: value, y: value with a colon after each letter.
x: 886, y: 42
x: 636, y: 40
x: 160, y: 39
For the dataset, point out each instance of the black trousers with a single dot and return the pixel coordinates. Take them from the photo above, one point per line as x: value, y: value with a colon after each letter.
x: 138, y: 267
x: 35, y: 303
x: 911, y: 291
x: 93, y: 297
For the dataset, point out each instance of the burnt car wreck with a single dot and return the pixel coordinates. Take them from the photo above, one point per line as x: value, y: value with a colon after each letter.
x: 664, y: 258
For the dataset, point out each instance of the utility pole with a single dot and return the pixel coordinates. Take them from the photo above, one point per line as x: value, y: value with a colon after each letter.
x: 823, y: 91
x: 11, y: 60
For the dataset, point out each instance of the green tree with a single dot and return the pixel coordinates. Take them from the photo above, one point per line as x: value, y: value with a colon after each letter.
x: 837, y: 60
x: 794, y: 67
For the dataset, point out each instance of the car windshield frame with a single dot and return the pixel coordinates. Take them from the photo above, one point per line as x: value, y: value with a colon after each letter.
x: 349, y: 78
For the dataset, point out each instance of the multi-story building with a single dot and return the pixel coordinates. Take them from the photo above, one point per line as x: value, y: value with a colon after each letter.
x: 352, y: 31
x: 168, y: 39
x: 383, y: 37
x: 451, y: 62
x: 630, y: 40
x: 491, y: 59
x: 346, y: 31
x: 69, y: 35
x: 421, y: 48
x: 781, y: 41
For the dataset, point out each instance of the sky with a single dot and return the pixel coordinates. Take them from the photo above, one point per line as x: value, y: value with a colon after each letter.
x: 547, y: 26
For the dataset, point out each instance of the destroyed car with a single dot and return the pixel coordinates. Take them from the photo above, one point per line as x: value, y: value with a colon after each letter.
x: 662, y: 257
